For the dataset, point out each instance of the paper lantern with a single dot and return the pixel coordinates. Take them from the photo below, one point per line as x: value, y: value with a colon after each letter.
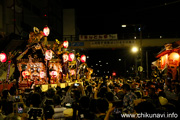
x: 48, y: 55
x: 174, y: 59
x: 25, y: 73
x: 3, y: 57
x: 46, y: 31
x: 71, y: 56
x: 83, y: 58
x: 113, y: 74
x: 53, y: 73
x: 65, y: 57
x: 42, y: 74
x: 65, y: 44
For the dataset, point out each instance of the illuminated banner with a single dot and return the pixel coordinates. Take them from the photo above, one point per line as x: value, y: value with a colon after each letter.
x: 98, y: 37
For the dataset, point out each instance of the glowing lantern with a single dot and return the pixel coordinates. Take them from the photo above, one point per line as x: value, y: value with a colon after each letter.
x: 53, y: 73
x: 46, y: 31
x: 72, y: 72
x: 42, y: 74
x: 48, y: 55
x: 83, y: 58
x: 113, y: 74
x: 65, y: 44
x: 3, y: 57
x: 25, y: 73
x: 65, y: 57
x: 71, y: 56
x: 174, y: 59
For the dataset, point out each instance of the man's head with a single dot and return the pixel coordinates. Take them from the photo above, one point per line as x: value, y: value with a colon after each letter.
x: 48, y: 112
x: 126, y: 88
x: 116, y: 88
x: 35, y: 99
x: 102, y: 105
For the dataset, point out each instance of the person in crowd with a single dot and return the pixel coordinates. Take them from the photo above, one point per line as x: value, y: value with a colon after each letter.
x: 84, y: 112
x: 7, y: 108
x: 128, y: 100
x: 13, y: 92
x: 58, y: 109
x: 145, y: 107
x: 92, y: 105
x: 89, y: 91
x: 48, y: 99
x: 168, y: 90
x: 110, y: 97
x: 102, y: 108
x: 118, y: 92
x: 153, y: 97
x: 48, y: 112
x: 35, y: 110
x: 14, y: 117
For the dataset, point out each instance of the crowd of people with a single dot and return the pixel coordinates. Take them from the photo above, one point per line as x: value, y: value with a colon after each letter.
x: 98, y: 99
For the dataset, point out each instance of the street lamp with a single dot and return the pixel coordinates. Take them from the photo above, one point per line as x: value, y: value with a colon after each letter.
x: 134, y: 49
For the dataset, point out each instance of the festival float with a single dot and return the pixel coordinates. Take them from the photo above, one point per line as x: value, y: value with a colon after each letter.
x: 41, y: 64
x: 167, y: 62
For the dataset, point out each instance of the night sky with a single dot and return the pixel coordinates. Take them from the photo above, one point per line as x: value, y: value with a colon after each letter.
x: 99, y: 16
x: 106, y: 17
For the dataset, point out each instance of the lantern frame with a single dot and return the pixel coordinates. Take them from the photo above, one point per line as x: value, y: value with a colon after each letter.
x: 71, y: 56
x: 46, y: 31
x: 83, y: 58
x: 3, y: 57
x: 65, y: 44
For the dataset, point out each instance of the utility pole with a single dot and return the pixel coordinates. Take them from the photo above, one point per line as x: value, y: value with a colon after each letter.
x: 14, y: 5
x: 141, y: 55
x: 147, y: 67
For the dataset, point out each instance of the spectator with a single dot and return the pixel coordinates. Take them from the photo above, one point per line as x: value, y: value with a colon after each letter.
x: 48, y: 112
x: 89, y: 91
x: 145, y: 107
x: 84, y: 109
x: 13, y: 117
x: 7, y: 108
x: 110, y: 97
x: 35, y: 111
x: 153, y: 97
x: 170, y: 94
x: 102, y: 108
x: 118, y: 92
x: 48, y: 100
x: 92, y: 106
x: 128, y: 100
x: 58, y: 109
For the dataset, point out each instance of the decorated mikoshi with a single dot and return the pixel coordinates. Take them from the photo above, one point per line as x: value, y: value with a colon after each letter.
x: 42, y: 64
x: 167, y: 62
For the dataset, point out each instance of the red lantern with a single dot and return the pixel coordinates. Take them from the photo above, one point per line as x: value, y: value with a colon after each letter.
x: 3, y: 57
x: 48, y: 55
x: 71, y: 56
x: 113, y: 74
x: 25, y: 73
x: 65, y: 57
x: 65, y: 44
x: 83, y: 58
x: 53, y: 73
x: 46, y: 31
